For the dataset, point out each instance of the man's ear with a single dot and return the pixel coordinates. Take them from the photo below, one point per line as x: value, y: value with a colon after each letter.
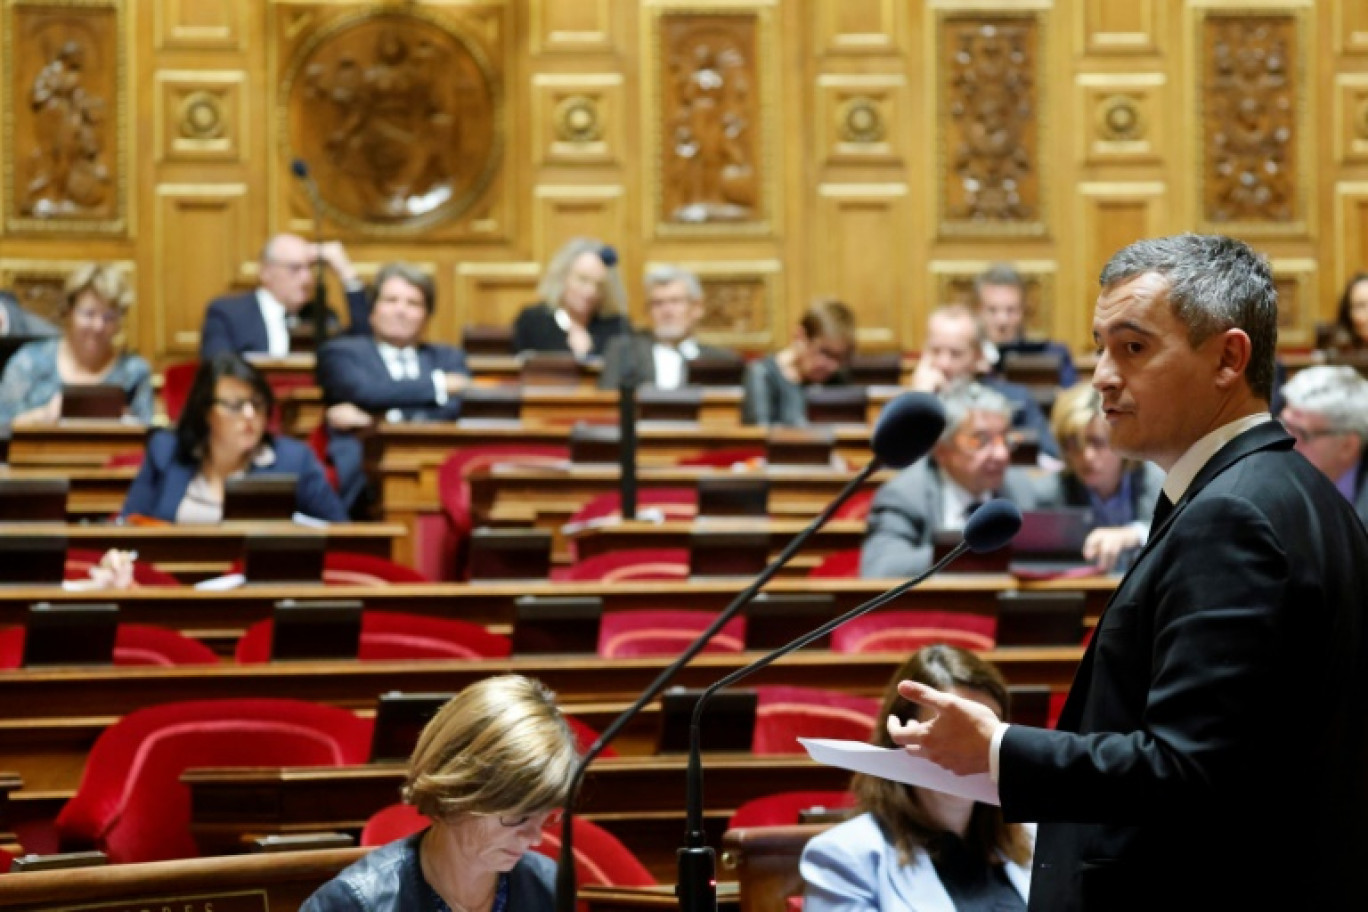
x: 1234, y: 357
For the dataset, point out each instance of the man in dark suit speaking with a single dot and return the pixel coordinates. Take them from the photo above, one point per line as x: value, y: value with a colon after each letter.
x: 661, y: 357
x: 1213, y: 751
x: 263, y: 320
x: 390, y: 375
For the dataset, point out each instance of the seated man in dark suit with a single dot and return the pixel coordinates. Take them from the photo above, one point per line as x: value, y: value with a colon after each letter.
x: 389, y: 375
x: 16, y: 321
x: 968, y: 466
x: 1000, y: 295
x: 262, y: 320
x: 954, y: 353
x: 661, y: 357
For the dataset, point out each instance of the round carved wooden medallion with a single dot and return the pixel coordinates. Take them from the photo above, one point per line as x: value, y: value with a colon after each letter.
x: 398, y: 117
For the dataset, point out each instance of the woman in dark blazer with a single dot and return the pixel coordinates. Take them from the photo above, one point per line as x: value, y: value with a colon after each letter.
x: 583, y: 304
x: 222, y: 434
x: 1121, y: 492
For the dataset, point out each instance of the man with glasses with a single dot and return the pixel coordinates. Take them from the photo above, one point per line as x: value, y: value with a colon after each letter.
x: 954, y: 353
x: 1327, y: 414
x: 969, y: 465
x: 661, y: 357
x: 262, y: 320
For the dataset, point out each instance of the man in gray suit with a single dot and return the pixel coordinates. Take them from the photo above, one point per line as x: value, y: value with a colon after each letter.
x: 661, y: 357
x: 16, y: 321
x: 969, y: 465
x: 1327, y: 414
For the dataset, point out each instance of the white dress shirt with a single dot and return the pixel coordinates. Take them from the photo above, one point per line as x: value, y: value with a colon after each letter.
x: 273, y: 314
x: 669, y: 362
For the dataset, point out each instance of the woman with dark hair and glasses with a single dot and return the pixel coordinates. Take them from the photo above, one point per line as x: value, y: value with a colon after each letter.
x: 912, y: 848
x: 222, y: 434
x: 491, y: 770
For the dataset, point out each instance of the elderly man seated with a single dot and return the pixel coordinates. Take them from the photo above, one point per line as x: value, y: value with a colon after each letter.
x: 969, y: 465
x: 1326, y: 411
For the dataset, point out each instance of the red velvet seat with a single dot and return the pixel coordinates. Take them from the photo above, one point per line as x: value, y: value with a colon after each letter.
x: 631, y: 564
x: 176, y: 382
x: 131, y: 804
x: 80, y: 561
x: 664, y: 632
x: 131, y: 459
x: 671, y: 503
x: 349, y: 568
x: 387, y: 635
x: 784, y: 714
x: 906, y: 631
x: 725, y: 458
x: 857, y: 507
x: 134, y: 644
x: 843, y: 564
x: 600, y: 858
x: 318, y: 442
x: 786, y: 808
x: 454, y: 490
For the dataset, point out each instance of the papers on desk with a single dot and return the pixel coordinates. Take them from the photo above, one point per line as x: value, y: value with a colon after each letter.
x: 900, y: 766
x: 221, y: 583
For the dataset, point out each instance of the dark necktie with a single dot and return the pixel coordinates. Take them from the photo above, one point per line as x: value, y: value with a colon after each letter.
x: 1162, y: 509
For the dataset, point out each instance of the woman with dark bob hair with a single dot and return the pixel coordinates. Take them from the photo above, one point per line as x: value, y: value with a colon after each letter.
x: 222, y: 434
x: 490, y: 770
x: 917, y: 849
x: 1351, y: 319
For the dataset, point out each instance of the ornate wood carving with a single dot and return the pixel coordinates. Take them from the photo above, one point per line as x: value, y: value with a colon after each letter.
x: 1249, y: 119
x: 991, y: 112
x: 710, y: 119
x: 397, y: 113
x: 64, y: 129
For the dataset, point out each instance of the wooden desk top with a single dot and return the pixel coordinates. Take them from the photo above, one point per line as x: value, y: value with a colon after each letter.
x: 87, y: 443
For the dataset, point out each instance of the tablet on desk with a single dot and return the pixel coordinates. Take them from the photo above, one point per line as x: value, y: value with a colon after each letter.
x: 33, y: 499
x: 93, y: 400
x: 1050, y: 542
x: 263, y: 495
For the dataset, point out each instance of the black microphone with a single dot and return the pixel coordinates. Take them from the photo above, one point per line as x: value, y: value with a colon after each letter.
x: 300, y: 169
x: 990, y: 527
x: 627, y: 444
x: 906, y: 430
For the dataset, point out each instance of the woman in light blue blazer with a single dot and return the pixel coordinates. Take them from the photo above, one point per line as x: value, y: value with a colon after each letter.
x: 914, y: 849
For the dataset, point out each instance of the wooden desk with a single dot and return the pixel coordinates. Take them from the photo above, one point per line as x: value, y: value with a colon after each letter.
x: 764, y: 861
x: 96, y: 493
x: 837, y: 535
x: 639, y: 799
x: 279, y: 882
x: 86, y: 443
x: 196, y: 551
x: 51, y: 713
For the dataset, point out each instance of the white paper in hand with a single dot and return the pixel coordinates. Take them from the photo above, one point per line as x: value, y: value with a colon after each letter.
x: 900, y: 766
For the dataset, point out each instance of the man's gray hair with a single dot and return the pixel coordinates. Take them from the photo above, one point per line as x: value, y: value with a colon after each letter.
x: 966, y: 397
x: 1335, y: 392
x: 1003, y: 274
x: 1215, y: 283
x: 667, y: 273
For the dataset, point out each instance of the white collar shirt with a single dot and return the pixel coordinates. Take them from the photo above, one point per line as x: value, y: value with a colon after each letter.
x: 273, y: 314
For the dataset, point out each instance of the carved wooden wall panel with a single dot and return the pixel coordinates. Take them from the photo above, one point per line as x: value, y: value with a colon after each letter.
x: 37, y: 284
x: 1120, y: 117
x: 1295, y: 280
x: 398, y: 113
x: 1110, y: 216
x: 710, y: 120
x: 1132, y: 27
x: 990, y: 110
x: 858, y: 27
x: 743, y: 303
x: 1350, y: 236
x: 200, y: 233
x: 65, y: 133
x: 564, y: 212
x: 861, y: 260
x: 209, y: 25
x: 1350, y: 26
x: 578, y: 119
x: 1351, y: 118
x: 199, y: 116
x: 1252, y: 96
x: 584, y: 25
x: 493, y: 293
x: 857, y: 119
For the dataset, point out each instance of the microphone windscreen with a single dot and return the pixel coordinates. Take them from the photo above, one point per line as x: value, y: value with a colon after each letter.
x: 907, y: 429
x: 992, y: 525
x: 299, y: 169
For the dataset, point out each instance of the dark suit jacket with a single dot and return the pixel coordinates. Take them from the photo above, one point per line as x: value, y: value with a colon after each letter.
x: 638, y: 349
x: 233, y: 323
x: 1213, y: 752
x: 907, y: 512
x: 1027, y: 414
x: 351, y: 369
x: 162, y: 480
x: 536, y: 329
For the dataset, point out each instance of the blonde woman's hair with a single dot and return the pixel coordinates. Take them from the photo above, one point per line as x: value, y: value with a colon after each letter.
x: 499, y: 747
x: 613, y: 299
x: 1074, y: 410
x: 106, y: 282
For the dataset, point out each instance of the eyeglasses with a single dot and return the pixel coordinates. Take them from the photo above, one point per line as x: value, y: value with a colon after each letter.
x: 545, y: 818
x: 102, y: 317
x: 1306, y: 435
x: 978, y: 441
x: 240, y: 406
